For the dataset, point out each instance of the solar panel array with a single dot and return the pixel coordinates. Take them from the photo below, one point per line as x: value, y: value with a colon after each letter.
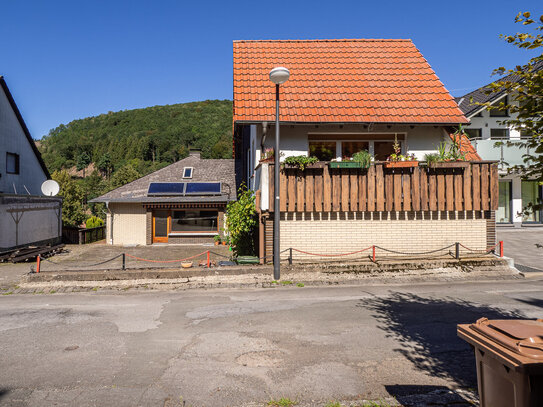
x: 184, y: 188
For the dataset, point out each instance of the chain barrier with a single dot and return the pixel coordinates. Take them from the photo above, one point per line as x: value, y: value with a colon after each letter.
x: 414, y: 253
x: 332, y: 255
x: 487, y: 251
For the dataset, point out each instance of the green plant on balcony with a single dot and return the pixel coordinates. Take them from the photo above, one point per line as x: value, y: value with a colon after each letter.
x: 364, y: 158
x: 300, y: 161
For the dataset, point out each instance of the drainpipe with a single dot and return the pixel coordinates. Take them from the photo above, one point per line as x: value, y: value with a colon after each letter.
x: 264, y: 133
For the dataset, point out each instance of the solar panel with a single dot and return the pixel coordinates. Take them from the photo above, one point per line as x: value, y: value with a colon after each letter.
x: 166, y: 188
x: 203, y: 188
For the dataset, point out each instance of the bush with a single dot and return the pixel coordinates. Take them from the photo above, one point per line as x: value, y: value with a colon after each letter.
x: 241, y: 222
x: 300, y: 161
x: 94, y: 222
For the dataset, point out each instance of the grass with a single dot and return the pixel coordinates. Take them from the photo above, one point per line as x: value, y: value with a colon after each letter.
x: 375, y: 404
x: 95, y: 289
x: 8, y: 293
x: 333, y: 404
x: 282, y: 402
x: 287, y: 282
x: 275, y: 282
x: 300, y: 285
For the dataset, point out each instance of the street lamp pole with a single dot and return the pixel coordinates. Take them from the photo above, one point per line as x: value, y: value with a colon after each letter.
x: 278, y: 76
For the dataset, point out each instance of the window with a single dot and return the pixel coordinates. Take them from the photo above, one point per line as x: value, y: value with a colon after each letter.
x: 323, y: 150
x: 348, y: 148
x: 473, y: 133
x: 12, y: 163
x: 495, y: 112
x: 499, y: 134
x: 194, y: 221
x: 187, y: 172
x: 503, y: 214
x: 382, y: 149
x: 530, y: 192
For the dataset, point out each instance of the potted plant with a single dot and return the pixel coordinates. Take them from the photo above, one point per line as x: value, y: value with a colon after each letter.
x: 300, y: 162
x: 268, y: 155
x: 398, y: 160
x: 226, y: 241
x: 448, y: 158
x: 361, y: 159
x: 217, y: 239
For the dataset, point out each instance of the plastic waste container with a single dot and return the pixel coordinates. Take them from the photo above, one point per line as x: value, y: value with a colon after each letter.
x: 509, y: 357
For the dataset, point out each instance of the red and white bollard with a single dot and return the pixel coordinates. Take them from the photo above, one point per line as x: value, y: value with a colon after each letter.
x: 38, y: 261
x: 501, y: 248
x: 373, y: 253
x: 208, y: 261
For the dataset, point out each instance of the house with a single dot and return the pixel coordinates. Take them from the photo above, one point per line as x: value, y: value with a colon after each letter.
x: 26, y: 216
x: 486, y: 129
x: 181, y: 203
x: 344, y: 96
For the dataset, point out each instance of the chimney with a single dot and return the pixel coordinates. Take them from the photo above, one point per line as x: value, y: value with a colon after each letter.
x: 194, y: 153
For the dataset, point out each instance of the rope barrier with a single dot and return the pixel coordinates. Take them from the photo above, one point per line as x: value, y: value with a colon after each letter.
x: 164, y: 261
x: 488, y: 250
x: 414, y: 253
x: 332, y: 255
x: 86, y: 265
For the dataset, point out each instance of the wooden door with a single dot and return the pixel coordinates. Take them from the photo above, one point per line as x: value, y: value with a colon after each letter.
x: 161, y: 226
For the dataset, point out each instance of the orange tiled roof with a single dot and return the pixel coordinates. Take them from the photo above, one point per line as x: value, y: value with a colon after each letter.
x: 340, y: 81
x: 466, y: 147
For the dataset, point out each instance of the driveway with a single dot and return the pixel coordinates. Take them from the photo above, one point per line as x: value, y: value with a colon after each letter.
x: 247, y: 347
x: 524, y: 245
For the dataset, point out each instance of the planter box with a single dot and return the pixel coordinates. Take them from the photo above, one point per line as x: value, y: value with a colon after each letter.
x: 317, y: 165
x: 345, y: 164
x: 450, y: 164
x: 401, y: 164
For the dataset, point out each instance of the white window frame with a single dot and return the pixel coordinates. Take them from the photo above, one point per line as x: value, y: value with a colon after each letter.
x: 191, y: 171
x: 371, y: 143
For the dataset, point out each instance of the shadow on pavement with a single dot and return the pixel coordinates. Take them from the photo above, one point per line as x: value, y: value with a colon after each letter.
x: 535, y: 302
x: 3, y: 392
x: 413, y: 395
x: 425, y: 330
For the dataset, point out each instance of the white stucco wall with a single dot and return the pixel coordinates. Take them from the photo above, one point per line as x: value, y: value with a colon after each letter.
x: 13, y: 140
x: 129, y: 224
x: 420, y: 140
x: 485, y: 122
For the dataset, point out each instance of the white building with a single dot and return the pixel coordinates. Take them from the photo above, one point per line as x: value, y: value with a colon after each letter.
x: 489, y: 136
x: 26, y: 217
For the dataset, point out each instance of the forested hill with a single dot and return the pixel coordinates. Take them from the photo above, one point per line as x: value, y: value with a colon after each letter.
x: 145, y: 138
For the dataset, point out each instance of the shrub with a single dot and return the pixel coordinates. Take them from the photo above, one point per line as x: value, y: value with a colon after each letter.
x: 241, y: 222
x: 94, y: 222
x: 364, y: 158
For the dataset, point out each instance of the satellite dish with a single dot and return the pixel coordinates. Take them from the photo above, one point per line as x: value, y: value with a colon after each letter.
x: 50, y: 187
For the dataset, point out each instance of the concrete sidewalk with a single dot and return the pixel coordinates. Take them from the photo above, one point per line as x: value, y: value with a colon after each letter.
x: 524, y: 245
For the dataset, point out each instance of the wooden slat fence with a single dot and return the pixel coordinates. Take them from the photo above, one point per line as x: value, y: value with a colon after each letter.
x: 388, y: 189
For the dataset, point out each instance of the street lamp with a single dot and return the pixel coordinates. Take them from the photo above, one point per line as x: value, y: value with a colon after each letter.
x: 278, y: 76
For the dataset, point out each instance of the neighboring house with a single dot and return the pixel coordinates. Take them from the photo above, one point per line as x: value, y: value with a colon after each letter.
x: 344, y: 96
x: 486, y: 128
x: 181, y: 203
x: 26, y: 217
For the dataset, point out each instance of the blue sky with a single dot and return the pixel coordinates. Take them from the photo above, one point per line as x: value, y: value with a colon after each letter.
x: 65, y: 60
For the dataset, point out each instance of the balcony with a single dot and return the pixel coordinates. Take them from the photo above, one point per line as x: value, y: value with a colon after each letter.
x: 503, y: 153
x: 323, y: 189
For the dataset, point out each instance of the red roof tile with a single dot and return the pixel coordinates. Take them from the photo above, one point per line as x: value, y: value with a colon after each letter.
x: 466, y: 147
x: 340, y: 81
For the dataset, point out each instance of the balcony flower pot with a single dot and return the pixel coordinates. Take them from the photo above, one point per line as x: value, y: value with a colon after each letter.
x: 345, y: 164
x: 401, y: 164
x: 450, y: 164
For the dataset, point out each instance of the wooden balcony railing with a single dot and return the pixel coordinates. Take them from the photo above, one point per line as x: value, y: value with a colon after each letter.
x: 321, y: 189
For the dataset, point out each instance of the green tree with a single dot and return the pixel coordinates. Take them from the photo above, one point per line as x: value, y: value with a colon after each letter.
x: 123, y: 176
x: 73, y: 213
x: 524, y: 85
x: 105, y: 165
x: 241, y: 222
x: 82, y: 162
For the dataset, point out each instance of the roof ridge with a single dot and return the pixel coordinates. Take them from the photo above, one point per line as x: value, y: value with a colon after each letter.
x: 334, y: 40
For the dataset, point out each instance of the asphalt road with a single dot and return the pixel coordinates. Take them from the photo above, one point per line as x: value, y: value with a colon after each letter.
x: 245, y: 347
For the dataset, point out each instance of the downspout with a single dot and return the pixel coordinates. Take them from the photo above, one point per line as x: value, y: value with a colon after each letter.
x: 263, y: 140
x: 110, y: 222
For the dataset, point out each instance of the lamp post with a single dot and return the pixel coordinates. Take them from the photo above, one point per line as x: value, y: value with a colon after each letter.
x: 278, y: 76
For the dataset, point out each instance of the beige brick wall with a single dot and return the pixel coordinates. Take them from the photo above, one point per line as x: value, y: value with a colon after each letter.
x: 331, y: 233
x: 129, y: 224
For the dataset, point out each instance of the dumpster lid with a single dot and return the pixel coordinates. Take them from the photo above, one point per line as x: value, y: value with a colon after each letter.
x: 524, y: 337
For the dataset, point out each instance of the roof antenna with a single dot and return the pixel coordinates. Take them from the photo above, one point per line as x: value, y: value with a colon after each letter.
x: 460, y: 101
